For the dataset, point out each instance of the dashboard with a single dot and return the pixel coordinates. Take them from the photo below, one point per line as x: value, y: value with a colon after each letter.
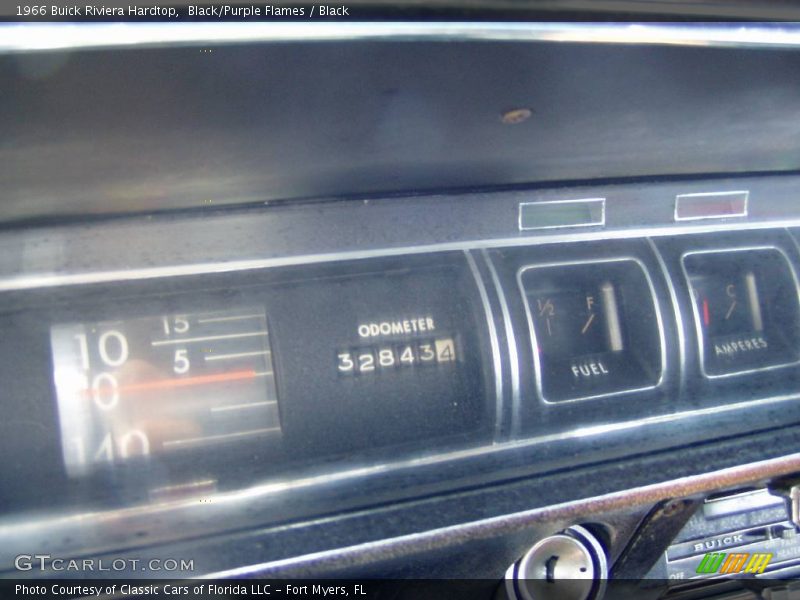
x: 408, y: 385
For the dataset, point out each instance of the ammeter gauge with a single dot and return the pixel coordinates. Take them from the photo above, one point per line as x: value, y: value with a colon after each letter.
x: 745, y: 307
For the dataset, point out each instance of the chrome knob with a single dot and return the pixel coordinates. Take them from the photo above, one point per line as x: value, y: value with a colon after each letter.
x: 570, y: 565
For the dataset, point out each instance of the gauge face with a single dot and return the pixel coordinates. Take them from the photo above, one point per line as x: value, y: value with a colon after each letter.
x: 729, y: 305
x: 595, y: 328
x: 162, y: 384
x: 746, y: 309
x: 578, y: 322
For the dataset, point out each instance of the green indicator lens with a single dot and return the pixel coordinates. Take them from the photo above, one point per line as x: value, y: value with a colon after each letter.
x: 571, y: 213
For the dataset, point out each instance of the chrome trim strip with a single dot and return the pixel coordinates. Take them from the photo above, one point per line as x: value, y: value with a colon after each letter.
x: 699, y: 328
x: 676, y: 309
x: 599, y: 223
x: 45, y: 280
x: 511, y: 339
x: 494, y: 342
x: 513, y: 522
x: 26, y: 37
x: 714, y: 195
x: 535, y: 347
x: 737, y: 503
x: 794, y: 239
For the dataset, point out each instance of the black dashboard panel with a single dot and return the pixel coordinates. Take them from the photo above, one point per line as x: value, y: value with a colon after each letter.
x: 395, y: 377
x: 430, y: 118
x: 258, y: 372
x: 372, y: 361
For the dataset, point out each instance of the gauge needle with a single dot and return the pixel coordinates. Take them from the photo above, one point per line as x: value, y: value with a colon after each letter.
x: 161, y: 384
x: 706, y: 316
x: 588, y: 323
x: 730, y: 310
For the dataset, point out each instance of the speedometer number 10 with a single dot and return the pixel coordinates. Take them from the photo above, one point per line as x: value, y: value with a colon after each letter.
x: 102, y: 387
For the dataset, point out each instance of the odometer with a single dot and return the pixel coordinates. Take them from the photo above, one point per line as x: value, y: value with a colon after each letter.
x: 162, y: 384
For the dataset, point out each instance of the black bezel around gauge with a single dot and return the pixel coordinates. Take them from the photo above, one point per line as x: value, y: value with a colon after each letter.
x: 745, y: 309
x: 611, y: 341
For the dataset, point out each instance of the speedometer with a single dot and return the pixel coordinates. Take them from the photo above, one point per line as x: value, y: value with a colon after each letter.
x: 162, y: 384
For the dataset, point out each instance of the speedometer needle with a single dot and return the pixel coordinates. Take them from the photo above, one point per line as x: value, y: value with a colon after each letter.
x: 162, y: 384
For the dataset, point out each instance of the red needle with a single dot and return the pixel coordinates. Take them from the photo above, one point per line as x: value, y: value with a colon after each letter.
x: 706, y: 317
x: 161, y: 384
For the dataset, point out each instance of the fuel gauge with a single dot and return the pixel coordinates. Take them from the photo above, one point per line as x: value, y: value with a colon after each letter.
x: 594, y: 326
x: 579, y: 321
